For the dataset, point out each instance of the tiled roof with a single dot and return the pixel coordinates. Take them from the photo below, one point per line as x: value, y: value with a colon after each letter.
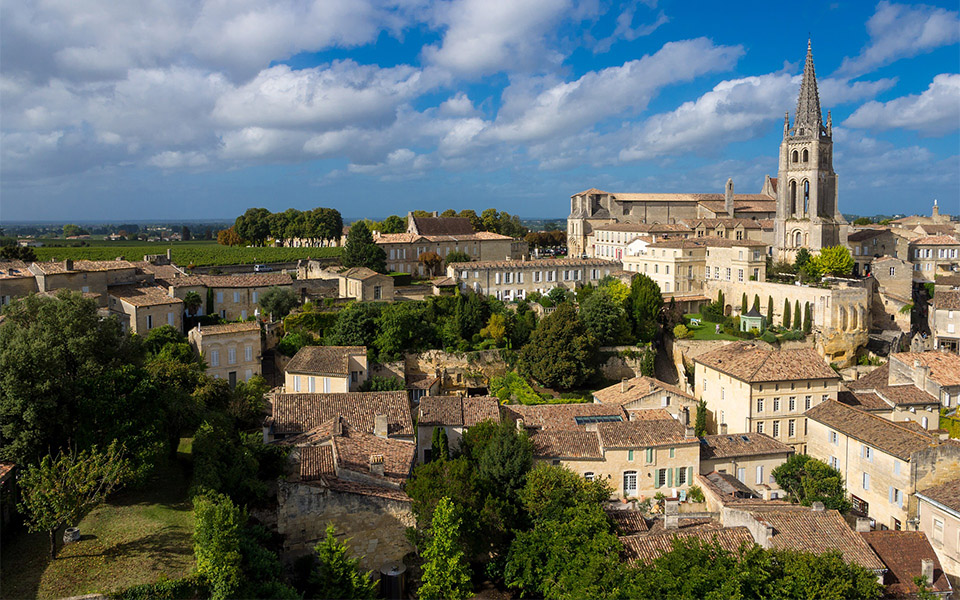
x: 649, y: 414
x: 878, y: 377
x: 454, y: 411
x: 644, y: 227
x: 442, y: 225
x: 6, y: 470
x: 935, y: 240
x: 316, y: 462
x: 644, y: 549
x: 863, y: 400
x: 751, y: 362
x: 410, y: 238
x: 569, y: 444
x: 325, y: 360
x: 545, y: 263
x: 944, y: 367
x: 628, y: 522
x: 947, y: 299
x: 643, y: 434
x: 708, y: 242
x: 887, y: 436
x: 160, y: 272
x: 227, y: 328
x: 725, y: 221
x: 298, y: 413
x: 902, y: 553
x: 865, y: 234
x: 725, y: 484
x: 558, y: 416
x: 366, y: 489
x: 420, y: 381
x: 143, y: 295
x: 360, y: 273
x: 50, y: 267
x: 939, y: 229
x: 630, y: 390
x: 589, y: 192
x: 740, y: 444
x: 347, y: 448
x: 742, y: 203
x: 807, y: 530
x: 14, y: 269
x: 247, y: 280
x: 947, y: 494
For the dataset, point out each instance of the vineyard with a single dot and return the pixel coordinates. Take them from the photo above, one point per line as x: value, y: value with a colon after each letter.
x: 184, y: 253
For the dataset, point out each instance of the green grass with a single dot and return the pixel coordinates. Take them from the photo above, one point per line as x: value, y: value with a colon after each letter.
x: 134, y: 538
x: 707, y: 330
x: 201, y: 253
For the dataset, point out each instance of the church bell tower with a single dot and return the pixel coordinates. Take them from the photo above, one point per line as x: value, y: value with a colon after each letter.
x: 808, y: 215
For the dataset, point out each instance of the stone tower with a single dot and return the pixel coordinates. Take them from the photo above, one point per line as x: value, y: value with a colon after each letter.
x: 807, y: 211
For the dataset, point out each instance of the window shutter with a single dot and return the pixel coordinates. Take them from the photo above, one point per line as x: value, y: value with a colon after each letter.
x: 890, y: 494
x: 670, y: 477
x: 689, y: 475
x: 656, y: 475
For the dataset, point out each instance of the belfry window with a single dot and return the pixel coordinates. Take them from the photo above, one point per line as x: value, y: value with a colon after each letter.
x: 806, y: 196
x: 806, y: 156
x: 793, y: 197
x: 796, y: 156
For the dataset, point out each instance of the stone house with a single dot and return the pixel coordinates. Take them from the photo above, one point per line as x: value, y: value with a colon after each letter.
x: 326, y: 370
x: 384, y: 414
x: 883, y: 463
x: 749, y: 387
x: 749, y: 457
x: 944, y: 317
x: 359, y: 283
x: 515, y: 279
x: 907, y: 555
x: 643, y: 393
x: 232, y: 351
x: 611, y: 241
x: 895, y: 402
x: 893, y: 293
x: 938, y: 511
x: 937, y: 373
x: 455, y: 414
x: 232, y: 297
x: 933, y: 255
x: 867, y: 245
x: 142, y: 307
x: 85, y: 276
x: 726, y: 228
x: 16, y: 281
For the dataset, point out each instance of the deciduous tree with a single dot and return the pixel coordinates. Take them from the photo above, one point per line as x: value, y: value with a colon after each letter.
x: 336, y: 575
x: 835, y: 260
x: 278, y: 302
x: 645, y: 304
x: 561, y: 352
x: 446, y: 574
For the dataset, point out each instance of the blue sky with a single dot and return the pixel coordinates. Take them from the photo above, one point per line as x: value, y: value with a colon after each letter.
x: 201, y: 109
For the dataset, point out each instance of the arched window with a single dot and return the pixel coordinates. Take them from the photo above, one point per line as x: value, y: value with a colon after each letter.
x: 806, y: 197
x: 806, y: 156
x: 793, y: 197
x: 795, y: 156
x: 797, y: 240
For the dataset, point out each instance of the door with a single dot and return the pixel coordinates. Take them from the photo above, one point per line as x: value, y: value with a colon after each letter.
x: 233, y: 378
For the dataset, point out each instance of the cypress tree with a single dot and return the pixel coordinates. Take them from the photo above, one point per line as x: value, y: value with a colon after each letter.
x: 743, y: 304
x: 797, y: 316
x: 807, y: 317
x: 786, y: 313
x: 769, y: 311
x: 756, y: 302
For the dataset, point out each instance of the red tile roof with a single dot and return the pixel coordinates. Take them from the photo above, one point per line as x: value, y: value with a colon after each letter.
x: 947, y: 494
x: 571, y: 445
x: 324, y: 360
x: 644, y: 549
x: 902, y: 553
x: 630, y: 390
x: 892, y: 438
x: 558, y: 416
x: 740, y: 444
x: 143, y: 295
x: 628, y: 522
x: 229, y: 328
x: 644, y: 434
x: 752, y: 362
x: 454, y: 411
x: 944, y: 366
x: 299, y: 413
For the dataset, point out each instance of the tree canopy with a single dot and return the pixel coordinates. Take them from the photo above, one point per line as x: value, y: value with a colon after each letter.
x: 278, y: 302
x: 645, y: 303
x: 561, y: 351
x: 808, y: 480
x: 361, y: 251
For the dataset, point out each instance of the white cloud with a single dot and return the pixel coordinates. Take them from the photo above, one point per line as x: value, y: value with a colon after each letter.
x: 901, y: 31
x: 626, y: 31
x: 484, y: 37
x: 934, y: 112
x: 458, y: 105
x: 173, y: 160
x: 399, y: 165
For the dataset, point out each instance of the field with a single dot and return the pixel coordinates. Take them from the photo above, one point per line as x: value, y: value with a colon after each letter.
x: 134, y: 538
x: 201, y: 253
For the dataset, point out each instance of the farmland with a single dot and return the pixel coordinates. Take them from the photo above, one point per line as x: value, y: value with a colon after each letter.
x: 200, y: 253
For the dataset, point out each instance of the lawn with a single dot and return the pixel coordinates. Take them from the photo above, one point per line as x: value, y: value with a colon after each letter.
x: 707, y: 330
x: 137, y: 536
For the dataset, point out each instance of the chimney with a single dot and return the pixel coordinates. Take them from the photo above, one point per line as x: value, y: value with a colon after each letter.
x: 519, y: 424
x: 766, y: 536
x: 863, y: 524
x: 376, y: 465
x: 380, y: 425
x: 689, y: 433
x: 685, y: 417
x: 920, y: 374
x: 434, y: 214
x: 671, y: 514
x: 671, y: 522
x: 817, y: 507
x: 728, y: 198
x: 926, y: 570
x: 68, y: 264
x: 723, y: 429
x: 623, y: 385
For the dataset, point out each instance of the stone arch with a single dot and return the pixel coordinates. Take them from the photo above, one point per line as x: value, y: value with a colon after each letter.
x: 793, y: 197
x: 797, y: 240
x: 853, y: 318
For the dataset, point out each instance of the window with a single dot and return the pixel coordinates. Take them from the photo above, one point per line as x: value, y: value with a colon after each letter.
x: 806, y: 402
x: 629, y: 483
x: 236, y: 297
x: 834, y: 462
x: 665, y: 401
x: 630, y: 455
x: 791, y: 428
x: 311, y: 384
x: 776, y: 404
x: 681, y: 476
x: 759, y: 404
x: 759, y: 474
x: 760, y: 427
x: 728, y: 273
x: 378, y: 291
x: 149, y: 321
x: 649, y: 456
x: 895, y: 496
x: 867, y: 453
x: 925, y: 422
x: 937, y: 532
x: 248, y: 353
x: 232, y: 356
x: 866, y: 481
x: 792, y: 403
x: 661, y: 477
x: 296, y: 383
x: 834, y: 438
x: 825, y: 396
x: 326, y: 385
x: 704, y: 386
x: 243, y: 315
x: 255, y: 297
x: 893, y: 271
x: 219, y: 297
x: 214, y: 358
x: 170, y: 319
x: 739, y: 274
x: 776, y: 429
x: 666, y: 269
x: 742, y: 475
x: 896, y: 467
x: 588, y: 476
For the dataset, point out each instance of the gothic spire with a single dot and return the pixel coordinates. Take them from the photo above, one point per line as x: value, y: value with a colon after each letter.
x: 808, y: 116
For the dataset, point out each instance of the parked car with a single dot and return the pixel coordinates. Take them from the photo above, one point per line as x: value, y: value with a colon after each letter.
x: 262, y: 268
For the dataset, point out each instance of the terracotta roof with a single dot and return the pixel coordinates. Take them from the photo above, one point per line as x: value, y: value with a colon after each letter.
x: 161, y: 272
x: 902, y: 553
x: 630, y: 390
x: 644, y: 434
x: 14, y: 269
x: 935, y: 240
x: 740, y: 444
x: 143, y: 295
x: 863, y: 400
x: 591, y: 191
x: 645, y: 227
x: 947, y: 299
x: 410, y: 238
x: 887, y: 436
x: 649, y: 414
x: 441, y: 225
x: 50, y: 268
x: 360, y: 273
x: 751, y: 362
x: 299, y: 413
x: 708, y: 242
x: 568, y: 444
x: 944, y: 367
x: 246, y: 280
x: 350, y: 449
x: 559, y: 416
x: 725, y: 221
x: 6, y: 470
x: 807, y: 530
x: 947, y: 494
x: 865, y: 234
x: 324, y: 360
x: 316, y: 462
x: 938, y: 229
x: 420, y: 381
x: 454, y: 411
x: 545, y: 263
x: 628, y: 522
x: 644, y: 549
x: 725, y: 484
x: 365, y: 489
x: 876, y: 378
x: 742, y: 203
x: 228, y: 328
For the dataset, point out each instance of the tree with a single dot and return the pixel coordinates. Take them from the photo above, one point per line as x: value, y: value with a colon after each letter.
x: 15, y: 252
x: 446, y: 574
x: 278, y: 302
x: 802, y: 258
x: 361, y: 251
x: 700, y: 424
x: 797, y: 317
x: 60, y: 491
x: 430, y: 260
x: 475, y: 220
x: 336, y: 575
x: 645, y: 303
x: 786, y: 313
x: 458, y: 256
x: 402, y: 327
x: 808, y: 480
x: 449, y: 213
x: 456, y: 478
x: 254, y: 225
x: 192, y: 302
x: 229, y: 237
x: 604, y: 318
x: 185, y: 234
x: 356, y: 325
x: 862, y: 221
x: 70, y: 230
x: 743, y: 303
x: 807, y: 319
x: 490, y: 220
x: 393, y: 224
x: 561, y: 352
x: 496, y: 328
x: 835, y: 260
x: 756, y: 302
x: 769, y: 310
x: 216, y: 543
x: 439, y: 446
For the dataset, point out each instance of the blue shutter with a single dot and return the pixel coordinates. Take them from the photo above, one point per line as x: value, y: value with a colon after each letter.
x: 656, y: 477
x: 689, y: 475
x: 890, y: 494
x: 670, y: 477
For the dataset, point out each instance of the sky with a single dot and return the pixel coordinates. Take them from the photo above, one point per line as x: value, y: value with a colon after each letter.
x: 193, y: 109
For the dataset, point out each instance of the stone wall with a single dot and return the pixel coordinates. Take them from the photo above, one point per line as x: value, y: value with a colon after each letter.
x: 374, y: 527
x: 458, y: 371
x: 616, y: 366
x: 391, y: 369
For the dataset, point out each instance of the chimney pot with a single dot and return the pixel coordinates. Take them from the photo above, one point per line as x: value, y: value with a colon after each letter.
x: 623, y: 385
x: 926, y: 570
x: 376, y: 464
x: 689, y: 433
x: 863, y: 524
x: 818, y: 507
x: 68, y: 264
x: 380, y: 425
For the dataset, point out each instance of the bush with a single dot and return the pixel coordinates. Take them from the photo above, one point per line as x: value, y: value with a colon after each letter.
x: 792, y: 335
x: 382, y: 384
x: 713, y: 312
x: 695, y: 494
x: 769, y: 337
x: 681, y: 332
x: 510, y: 388
x: 293, y: 342
x: 191, y: 586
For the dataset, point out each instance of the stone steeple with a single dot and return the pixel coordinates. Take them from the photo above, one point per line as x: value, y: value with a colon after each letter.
x: 808, y: 118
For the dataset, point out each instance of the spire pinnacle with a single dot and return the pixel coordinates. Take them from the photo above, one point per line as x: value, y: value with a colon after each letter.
x: 808, y: 116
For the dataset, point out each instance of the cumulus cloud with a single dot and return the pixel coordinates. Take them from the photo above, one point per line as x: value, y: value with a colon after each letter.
x: 902, y: 31
x: 626, y: 31
x: 172, y: 160
x: 936, y: 111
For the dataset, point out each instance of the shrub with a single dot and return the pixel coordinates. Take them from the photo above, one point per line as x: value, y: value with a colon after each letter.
x: 695, y: 494
x: 191, y: 586
x: 713, y: 312
x: 769, y: 337
x: 681, y: 332
x: 293, y: 342
x: 377, y: 383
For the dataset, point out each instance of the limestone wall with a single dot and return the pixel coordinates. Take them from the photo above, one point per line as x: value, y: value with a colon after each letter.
x: 373, y: 527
